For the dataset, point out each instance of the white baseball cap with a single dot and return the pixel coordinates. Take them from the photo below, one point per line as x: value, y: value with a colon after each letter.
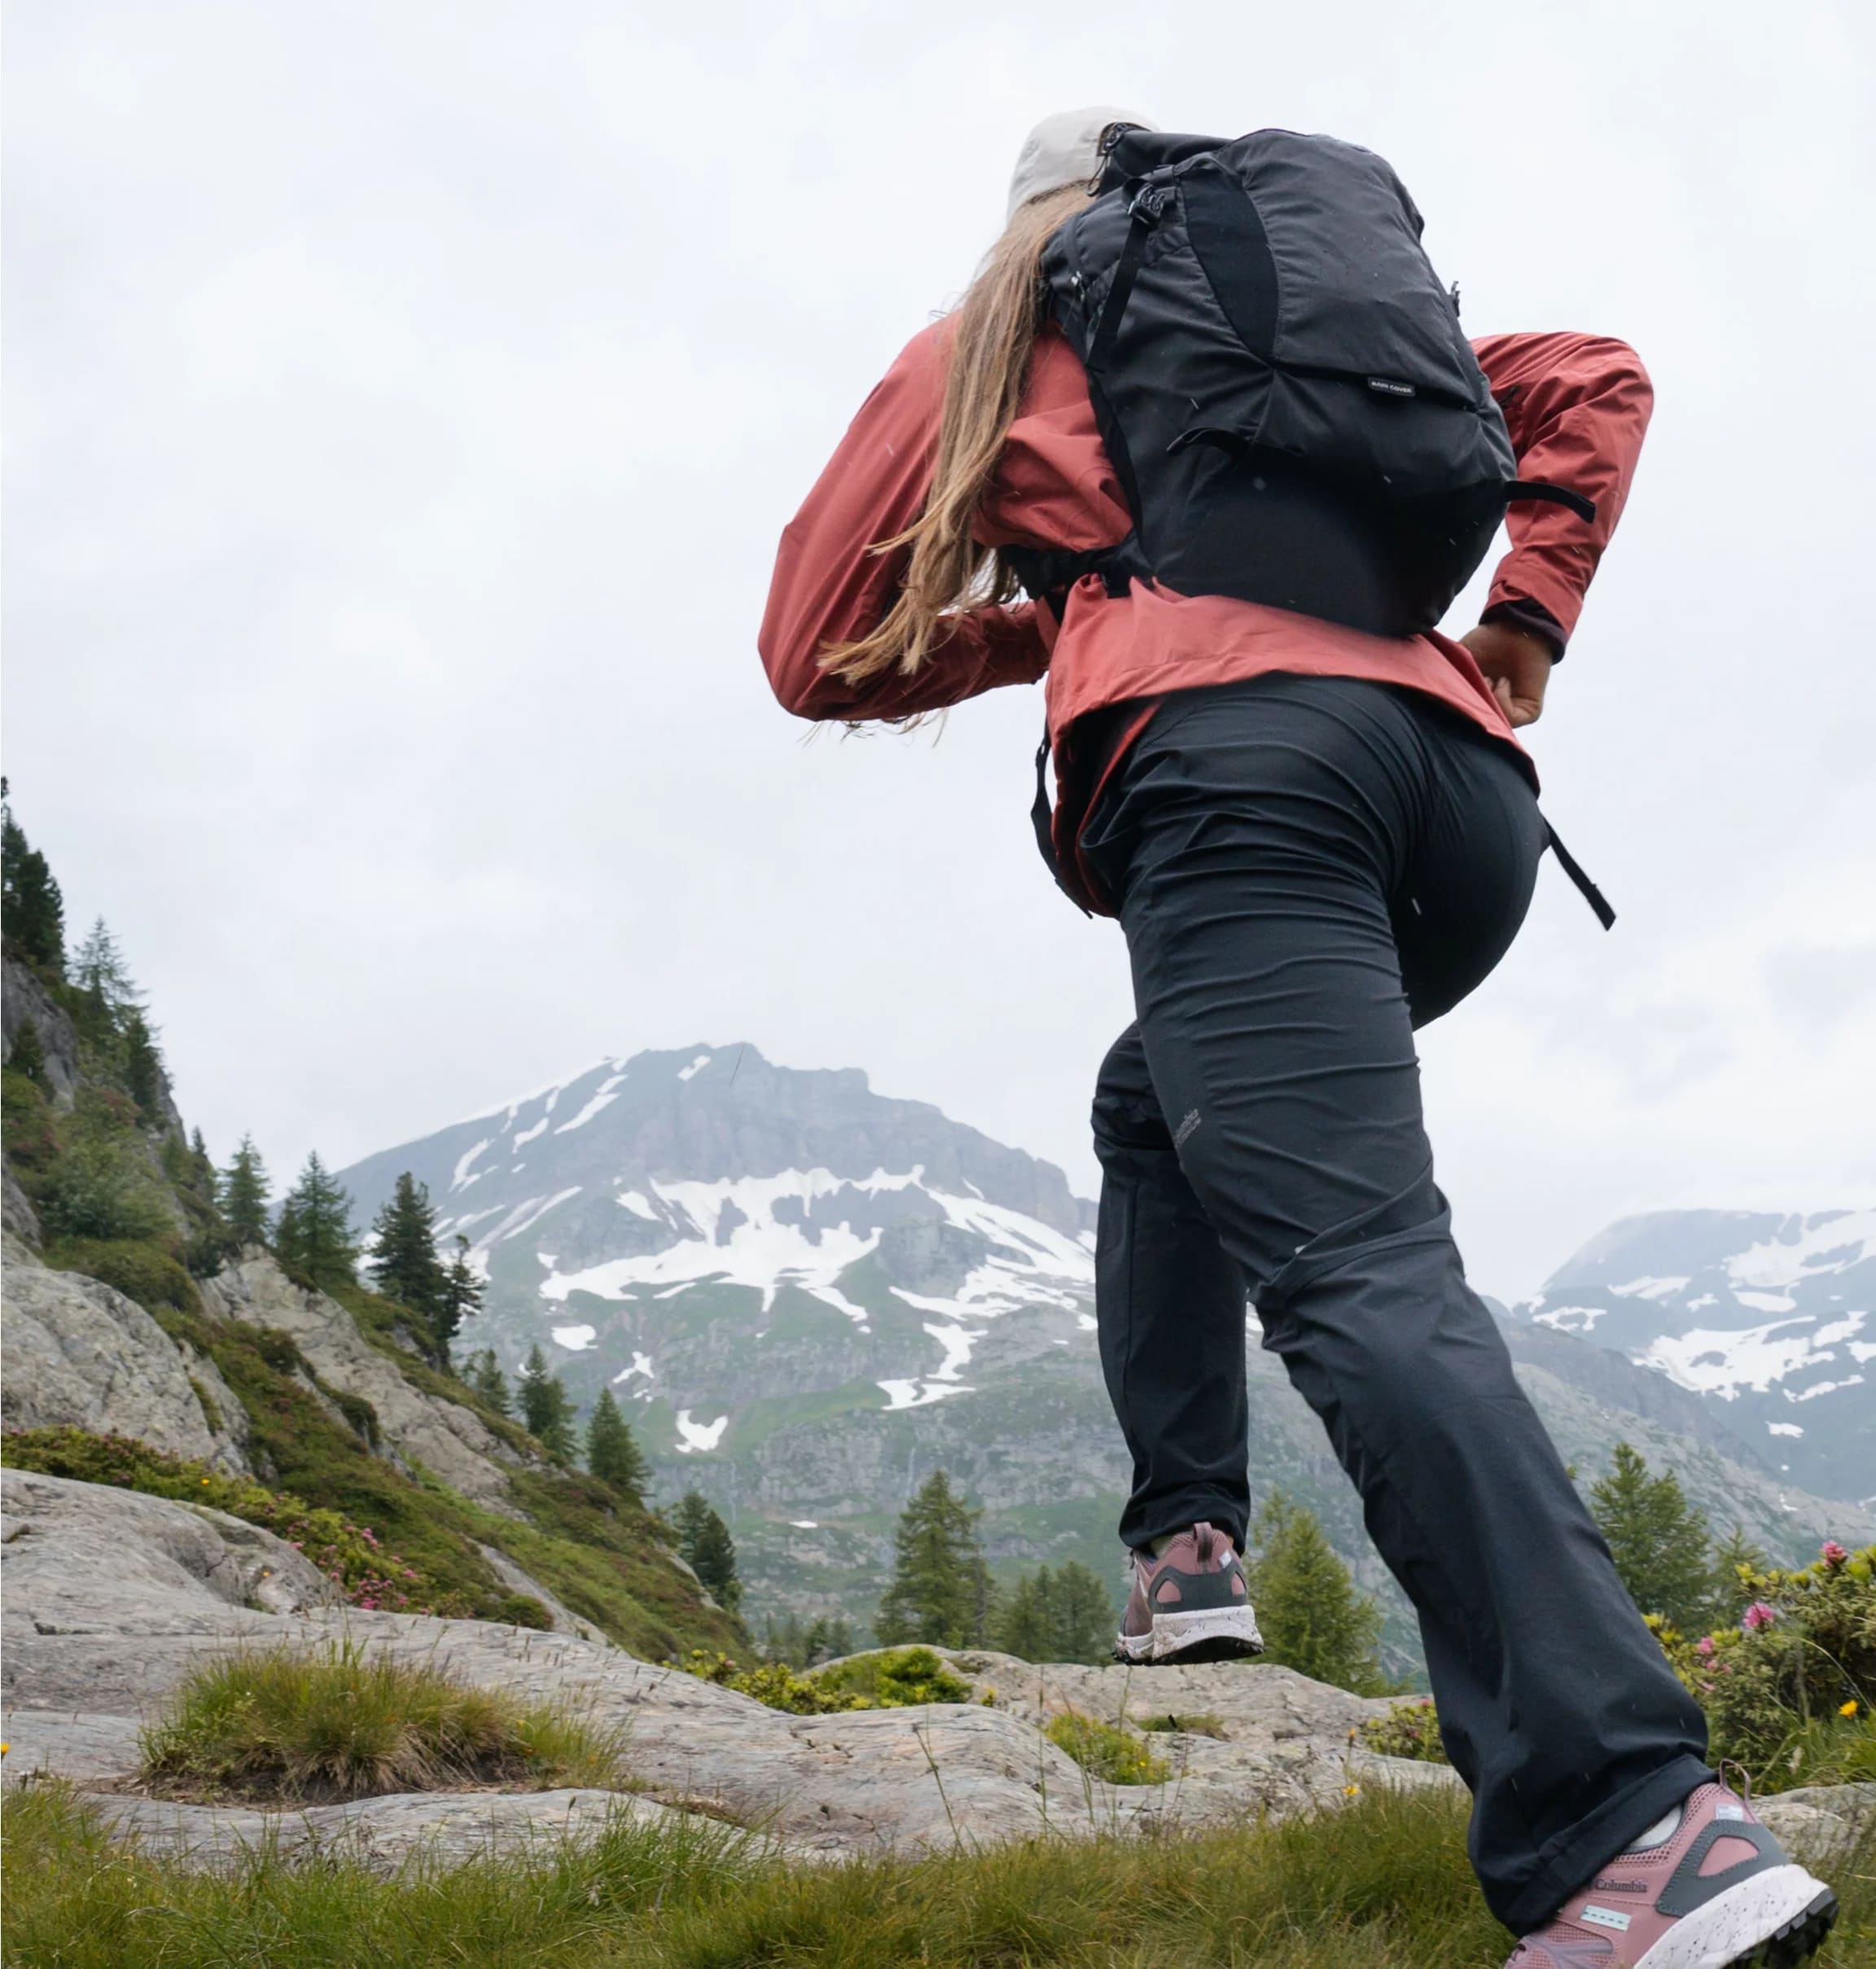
x: 1064, y: 149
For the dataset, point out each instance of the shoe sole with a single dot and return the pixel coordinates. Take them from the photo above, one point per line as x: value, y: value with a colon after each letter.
x: 1223, y: 1633
x: 1776, y: 1920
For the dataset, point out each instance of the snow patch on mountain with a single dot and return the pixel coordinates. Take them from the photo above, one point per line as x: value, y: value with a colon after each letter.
x: 693, y: 1436
x: 1832, y: 1242
x: 597, y: 1104
x: 763, y: 1232
x: 917, y: 1394
x: 1650, y: 1288
x: 1569, y: 1319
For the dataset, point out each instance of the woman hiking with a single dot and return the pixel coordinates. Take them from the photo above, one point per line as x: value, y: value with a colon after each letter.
x: 1205, y: 407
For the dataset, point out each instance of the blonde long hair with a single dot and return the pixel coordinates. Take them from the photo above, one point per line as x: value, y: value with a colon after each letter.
x: 995, y: 331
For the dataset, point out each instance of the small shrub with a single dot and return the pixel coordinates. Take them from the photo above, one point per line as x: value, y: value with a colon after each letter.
x: 897, y: 1678
x: 892, y: 1678
x: 772, y: 1682
x: 360, y: 1416
x: 1106, y: 1751
x: 31, y: 1141
x: 278, y: 1350
x: 139, y: 1267
x: 347, y: 1723
x: 1408, y: 1729
x: 522, y: 1610
x: 28, y: 1055
x: 101, y: 1185
x: 211, y: 1408
x: 1202, y: 1726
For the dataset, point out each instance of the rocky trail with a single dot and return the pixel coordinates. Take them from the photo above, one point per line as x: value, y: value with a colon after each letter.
x: 111, y: 1597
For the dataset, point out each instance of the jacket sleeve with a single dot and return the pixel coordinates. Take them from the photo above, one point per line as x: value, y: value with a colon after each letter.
x: 1577, y: 408
x: 829, y: 588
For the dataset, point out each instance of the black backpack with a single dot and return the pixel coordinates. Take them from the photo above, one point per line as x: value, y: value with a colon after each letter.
x: 1281, y: 381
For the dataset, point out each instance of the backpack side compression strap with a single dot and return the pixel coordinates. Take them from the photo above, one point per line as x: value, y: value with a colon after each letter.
x: 1040, y: 819
x: 1574, y: 869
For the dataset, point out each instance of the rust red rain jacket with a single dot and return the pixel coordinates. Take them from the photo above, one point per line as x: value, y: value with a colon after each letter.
x: 1576, y: 407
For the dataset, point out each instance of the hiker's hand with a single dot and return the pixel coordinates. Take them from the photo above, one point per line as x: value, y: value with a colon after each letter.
x: 1516, y: 665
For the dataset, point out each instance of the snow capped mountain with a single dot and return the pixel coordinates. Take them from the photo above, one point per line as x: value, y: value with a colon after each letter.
x: 611, y: 1209
x: 1772, y: 1317
x: 809, y: 1296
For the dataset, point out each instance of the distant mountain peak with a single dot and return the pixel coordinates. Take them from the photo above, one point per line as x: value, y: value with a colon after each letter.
x: 1772, y: 1314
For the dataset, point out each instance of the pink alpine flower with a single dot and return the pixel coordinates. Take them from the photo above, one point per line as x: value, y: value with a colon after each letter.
x: 1757, y: 1616
x: 1835, y: 1555
x: 1704, y: 1645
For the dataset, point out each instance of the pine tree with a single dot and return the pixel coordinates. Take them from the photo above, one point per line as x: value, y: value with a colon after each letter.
x: 28, y: 1055
x: 205, y: 1168
x: 1312, y: 1618
x: 32, y: 910
x: 1027, y: 1628
x: 1730, y: 1595
x: 243, y: 1192
x: 545, y: 1410
x: 1658, y: 1541
x: 1083, y: 1616
x: 462, y: 1300
x: 827, y: 1639
x: 144, y: 1079
x: 404, y: 1265
x: 704, y: 1543
x: 98, y: 971
x: 314, y: 1236
x: 483, y: 1372
x: 612, y: 1451
x: 940, y: 1592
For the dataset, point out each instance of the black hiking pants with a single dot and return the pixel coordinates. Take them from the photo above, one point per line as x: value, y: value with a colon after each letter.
x: 1308, y: 868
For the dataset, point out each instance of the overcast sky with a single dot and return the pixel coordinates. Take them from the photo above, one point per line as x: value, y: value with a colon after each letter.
x: 404, y: 401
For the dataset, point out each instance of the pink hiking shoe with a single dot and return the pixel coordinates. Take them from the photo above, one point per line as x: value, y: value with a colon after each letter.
x: 1714, y: 1890
x: 1189, y: 1604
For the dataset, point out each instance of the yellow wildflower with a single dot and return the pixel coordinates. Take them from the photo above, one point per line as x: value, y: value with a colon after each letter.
x: 1849, y: 1709
x: 1351, y: 1791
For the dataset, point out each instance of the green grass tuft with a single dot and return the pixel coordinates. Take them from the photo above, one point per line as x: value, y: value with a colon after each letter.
x: 1105, y: 1750
x: 347, y: 1722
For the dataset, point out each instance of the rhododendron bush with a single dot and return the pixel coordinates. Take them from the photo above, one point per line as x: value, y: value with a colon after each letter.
x: 1789, y: 1692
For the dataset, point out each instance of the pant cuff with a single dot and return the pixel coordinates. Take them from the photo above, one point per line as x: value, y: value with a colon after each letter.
x: 1565, y: 1864
x: 1139, y: 1528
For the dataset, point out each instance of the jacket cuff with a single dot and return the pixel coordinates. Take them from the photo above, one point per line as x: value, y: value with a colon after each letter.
x: 1534, y: 619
